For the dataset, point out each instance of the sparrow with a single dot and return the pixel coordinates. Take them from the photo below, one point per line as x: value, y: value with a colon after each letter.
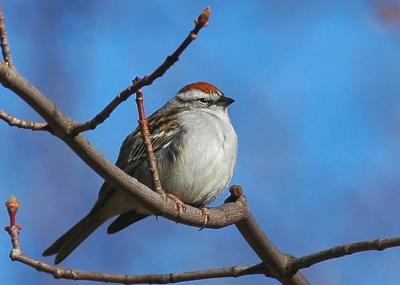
x: 195, y: 147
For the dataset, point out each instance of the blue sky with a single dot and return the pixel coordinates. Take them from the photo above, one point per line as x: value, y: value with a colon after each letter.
x: 317, y: 115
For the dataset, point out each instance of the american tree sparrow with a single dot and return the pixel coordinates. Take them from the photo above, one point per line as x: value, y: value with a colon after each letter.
x: 195, y: 148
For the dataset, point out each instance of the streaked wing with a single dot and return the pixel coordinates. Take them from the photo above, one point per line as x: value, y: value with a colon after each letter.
x: 137, y: 153
x: 133, y: 153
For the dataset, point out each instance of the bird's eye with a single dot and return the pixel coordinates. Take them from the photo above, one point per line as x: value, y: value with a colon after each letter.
x: 203, y: 100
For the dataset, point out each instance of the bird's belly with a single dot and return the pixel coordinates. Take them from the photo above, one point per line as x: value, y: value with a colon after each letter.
x: 198, y: 174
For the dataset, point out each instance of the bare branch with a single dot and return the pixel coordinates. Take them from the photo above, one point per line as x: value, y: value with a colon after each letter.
x: 287, y: 277
x: 144, y: 129
x: 5, y: 49
x: 200, y: 22
x: 268, y: 253
x: 23, y: 124
x: 296, y: 263
x: 340, y: 251
x: 61, y: 273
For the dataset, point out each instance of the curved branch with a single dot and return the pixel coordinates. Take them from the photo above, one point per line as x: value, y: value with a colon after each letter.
x: 62, y: 273
x: 58, y: 272
x: 200, y: 22
x: 23, y: 124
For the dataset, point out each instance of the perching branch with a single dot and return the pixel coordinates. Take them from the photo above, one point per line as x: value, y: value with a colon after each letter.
x: 200, y: 22
x: 23, y: 124
x: 222, y: 216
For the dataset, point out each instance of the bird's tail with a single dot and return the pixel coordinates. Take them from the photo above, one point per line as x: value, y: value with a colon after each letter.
x: 63, y: 246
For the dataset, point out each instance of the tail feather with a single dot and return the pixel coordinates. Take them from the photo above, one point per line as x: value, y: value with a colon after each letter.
x: 124, y: 220
x: 73, y: 237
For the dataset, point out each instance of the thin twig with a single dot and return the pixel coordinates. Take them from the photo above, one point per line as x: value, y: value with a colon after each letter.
x: 294, y: 264
x: 17, y: 254
x: 12, y: 205
x: 5, y: 48
x: 144, y: 129
x: 340, y: 251
x: 200, y: 22
x: 23, y: 124
x: 63, y: 273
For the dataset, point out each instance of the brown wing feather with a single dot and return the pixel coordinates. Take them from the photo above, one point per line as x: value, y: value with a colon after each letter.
x: 132, y: 152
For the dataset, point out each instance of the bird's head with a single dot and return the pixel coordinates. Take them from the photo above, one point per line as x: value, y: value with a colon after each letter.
x: 202, y: 95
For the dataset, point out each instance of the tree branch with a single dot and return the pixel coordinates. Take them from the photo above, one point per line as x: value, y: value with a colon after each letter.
x: 286, y: 276
x: 200, y: 22
x: 23, y: 124
x: 5, y: 49
x: 63, y: 273
x: 144, y: 129
x: 342, y: 250
x: 17, y: 254
x: 274, y: 261
x: 296, y: 263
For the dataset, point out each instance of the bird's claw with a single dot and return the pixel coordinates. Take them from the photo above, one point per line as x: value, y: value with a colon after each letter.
x: 206, y: 217
x: 179, y: 205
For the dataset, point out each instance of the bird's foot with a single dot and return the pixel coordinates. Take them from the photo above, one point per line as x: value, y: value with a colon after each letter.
x: 179, y: 205
x: 206, y: 216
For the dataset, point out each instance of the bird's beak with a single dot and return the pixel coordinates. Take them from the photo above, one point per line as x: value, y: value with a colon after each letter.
x: 225, y: 101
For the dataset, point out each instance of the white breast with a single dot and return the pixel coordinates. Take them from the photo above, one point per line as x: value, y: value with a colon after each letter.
x: 205, y: 157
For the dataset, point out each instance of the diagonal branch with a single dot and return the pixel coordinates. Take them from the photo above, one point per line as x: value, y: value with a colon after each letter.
x: 5, y: 49
x: 17, y: 254
x: 144, y: 129
x: 342, y: 250
x: 296, y: 263
x: 23, y: 124
x: 275, y: 260
x: 200, y: 22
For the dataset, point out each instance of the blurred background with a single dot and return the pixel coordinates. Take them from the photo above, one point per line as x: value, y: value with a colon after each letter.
x: 317, y: 113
